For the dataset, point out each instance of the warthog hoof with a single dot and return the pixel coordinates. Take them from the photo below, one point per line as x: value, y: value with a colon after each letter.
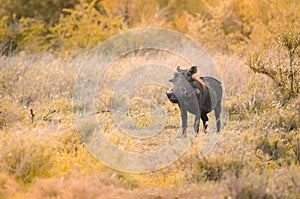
x: 183, y: 135
x: 205, y: 127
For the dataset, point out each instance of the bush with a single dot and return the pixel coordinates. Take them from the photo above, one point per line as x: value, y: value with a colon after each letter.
x: 248, y: 186
x: 281, y: 149
x: 213, y: 170
x: 281, y: 65
x: 17, y: 35
x: 25, y: 156
x: 47, y: 10
x: 83, y: 27
x: 270, y: 149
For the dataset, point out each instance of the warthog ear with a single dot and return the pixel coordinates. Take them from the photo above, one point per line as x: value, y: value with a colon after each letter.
x: 175, y: 75
x: 193, y: 70
x: 178, y: 68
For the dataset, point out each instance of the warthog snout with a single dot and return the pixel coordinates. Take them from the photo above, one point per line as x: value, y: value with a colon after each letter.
x: 171, y: 95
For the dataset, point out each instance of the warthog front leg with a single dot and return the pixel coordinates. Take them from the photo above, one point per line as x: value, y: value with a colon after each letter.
x: 183, y: 112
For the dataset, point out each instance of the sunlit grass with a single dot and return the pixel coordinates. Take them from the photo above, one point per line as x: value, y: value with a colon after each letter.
x: 42, y: 154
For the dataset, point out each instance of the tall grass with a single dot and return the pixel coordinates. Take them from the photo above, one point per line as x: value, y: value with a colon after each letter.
x: 41, y: 151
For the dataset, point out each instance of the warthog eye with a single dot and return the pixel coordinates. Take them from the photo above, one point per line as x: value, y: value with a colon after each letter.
x: 188, y: 75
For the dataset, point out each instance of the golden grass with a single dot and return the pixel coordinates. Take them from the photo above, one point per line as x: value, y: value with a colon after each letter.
x: 257, y: 154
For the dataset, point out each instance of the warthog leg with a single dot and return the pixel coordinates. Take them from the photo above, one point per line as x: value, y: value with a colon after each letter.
x: 205, y: 122
x: 183, y: 120
x: 196, y: 123
x: 217, y: 115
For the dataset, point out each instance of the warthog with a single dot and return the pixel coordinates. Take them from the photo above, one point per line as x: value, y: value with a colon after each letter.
x: 198, y: 99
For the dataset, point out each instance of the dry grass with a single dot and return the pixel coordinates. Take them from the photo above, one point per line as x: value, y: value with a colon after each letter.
x: 257, y: 155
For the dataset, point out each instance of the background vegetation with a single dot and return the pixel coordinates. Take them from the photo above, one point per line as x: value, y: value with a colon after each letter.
x: 255, y: 45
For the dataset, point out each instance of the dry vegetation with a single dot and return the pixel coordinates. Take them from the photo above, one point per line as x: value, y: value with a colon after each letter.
x: 255, y: 45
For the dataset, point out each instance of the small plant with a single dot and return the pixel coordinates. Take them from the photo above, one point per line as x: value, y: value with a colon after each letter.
x: 271, y: 149
x: 250, y: 192
x: 246, y: 186
x: 214, y: 170
x: 17, y: 35
x: 25, y: 157
x: 297, y: 150
x: 279, y: 150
